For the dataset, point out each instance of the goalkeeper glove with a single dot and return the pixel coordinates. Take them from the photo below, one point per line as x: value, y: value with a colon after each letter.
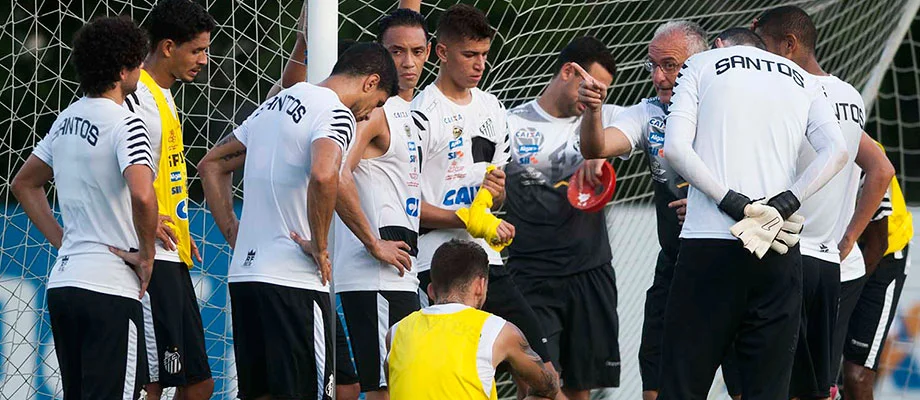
x: 788, y: 235
x: 758, y: 229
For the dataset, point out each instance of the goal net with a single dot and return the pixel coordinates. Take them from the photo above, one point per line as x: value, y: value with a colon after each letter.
x: 249, y: 49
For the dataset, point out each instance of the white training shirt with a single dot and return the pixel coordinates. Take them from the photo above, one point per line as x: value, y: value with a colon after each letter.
x: 89, y: 146
x: 278, y: 137
x: 738, y: 119
x: 389, y: 193
x: 453, y: 168
x: 828, y: 212
x: 142, y: 103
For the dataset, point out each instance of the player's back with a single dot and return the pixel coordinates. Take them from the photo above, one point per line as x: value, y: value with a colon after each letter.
x: 89, y: 146
x: 826, y: 224
x: 278, y: 137
x: 751, y: 109
x: 443, y: 352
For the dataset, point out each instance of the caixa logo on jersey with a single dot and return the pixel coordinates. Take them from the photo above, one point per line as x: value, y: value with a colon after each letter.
x: 460, y: 196
x: 528, y: 141
x: 182, y: 209
x: 412, y: 206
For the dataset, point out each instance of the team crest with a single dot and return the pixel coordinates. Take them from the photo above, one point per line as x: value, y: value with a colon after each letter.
x: 171, y: 362
x: 457, y: 131
x: 408, y: 131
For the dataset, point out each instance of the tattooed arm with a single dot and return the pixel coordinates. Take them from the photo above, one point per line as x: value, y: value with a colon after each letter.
x: 526, y: 365
x: 216, y: 171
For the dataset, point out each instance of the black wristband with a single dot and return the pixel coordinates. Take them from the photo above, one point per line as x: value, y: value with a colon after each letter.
x: 733, y: 204
x: 786, y: 203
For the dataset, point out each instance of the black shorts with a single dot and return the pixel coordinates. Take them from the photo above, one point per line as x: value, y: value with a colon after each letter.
x: 812, y: 374
x: 99, y: 342
x: 369, y: 315
x: 172, y: 325
x: 283, y: 341
x: 344, y: 365
x: 849, y: 296
x: 875, y: 310
x: 504, y: 299
x: 579, y: 315
x: 656, y: 297
x: 721, y: 295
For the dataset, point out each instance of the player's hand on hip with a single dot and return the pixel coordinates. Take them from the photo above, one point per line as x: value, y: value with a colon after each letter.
x: 759, y: 227
x: 165, y: 234
x: 681, y: 209
x: 845, y: 246
x: 505, y: 232
x: 320, y: 257
x: 142, y: 264
x: 391, y: 252
x: 591, y: 93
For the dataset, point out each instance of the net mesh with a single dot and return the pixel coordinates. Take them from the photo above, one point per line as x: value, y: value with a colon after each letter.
x: 248, y: 52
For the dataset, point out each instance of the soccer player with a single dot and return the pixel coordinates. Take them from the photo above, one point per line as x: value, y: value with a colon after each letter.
x: 721, y: 293
x: 569, y: 282
x: 99, y: 156
x: 376, y: 233
x: 292, y: 146
x: 462, y: 132
x: 180, y: 33
x: 789, y: 32
x: 450, y: 350
x: 885, y: 245
x: 642, y: 126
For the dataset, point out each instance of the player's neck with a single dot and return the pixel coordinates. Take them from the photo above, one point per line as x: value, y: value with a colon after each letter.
x: 457, y: 299
x: 549, y: 102
x: 453, y: 91
x: 115, y: 94
x: 810, y: 64
x: 406, y: 94
x: 156, y: 67
x: 343, y: 87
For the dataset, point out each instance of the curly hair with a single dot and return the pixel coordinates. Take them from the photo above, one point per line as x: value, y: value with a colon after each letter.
x: 461, y: 21
x: 105, y: 47
x: 179, y: 21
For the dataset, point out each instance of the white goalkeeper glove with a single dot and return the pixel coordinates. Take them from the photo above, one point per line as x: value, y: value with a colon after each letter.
x: 788, y: 235
x: 759, y: 228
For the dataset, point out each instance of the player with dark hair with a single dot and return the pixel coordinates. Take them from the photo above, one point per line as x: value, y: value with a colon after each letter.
x: 99, y: 157
x: 451, y: 349
x: 737, y: 37
x: 292, y: 146
x: 180, y: 33
x: 463, y: 138
x: 825, y: 245
x: 377, y: 209
x: 642, y: 127
x: 569, y: 283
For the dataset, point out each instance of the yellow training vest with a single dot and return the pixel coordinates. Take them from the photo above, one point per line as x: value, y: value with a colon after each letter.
x: 900, y: 222
x: 433, y: 357
x: 171, y: 181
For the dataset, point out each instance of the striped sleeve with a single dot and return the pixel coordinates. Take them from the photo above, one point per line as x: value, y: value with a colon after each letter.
x: 884, y: 208
x: 503, y: 140
x: 132, y: 145
x: 338, y: 125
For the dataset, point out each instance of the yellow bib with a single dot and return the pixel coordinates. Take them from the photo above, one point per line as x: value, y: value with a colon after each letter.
x: 171, y: 181
x: 900, y: 222
x: 433, y: 357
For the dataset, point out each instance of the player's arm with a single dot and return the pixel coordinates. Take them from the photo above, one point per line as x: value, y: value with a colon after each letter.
x: 596, y: 140
x: 29, y: 188
x: 874, y: 242
x: 824, y: 135
x: 216, y: 171
x: 348, y: 205
x: 414, y: 5
x: 139, y: 179
x: 295, y: 70
x: 321, y: 198
x: 434, y: 217
x: 526, y: 365
x: 879, y: 172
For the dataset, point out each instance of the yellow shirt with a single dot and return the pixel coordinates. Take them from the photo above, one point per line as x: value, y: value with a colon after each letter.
x: 900, y: 222
x: 443, y: 352
x: 171, y: 183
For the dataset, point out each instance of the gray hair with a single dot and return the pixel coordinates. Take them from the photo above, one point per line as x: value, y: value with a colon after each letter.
x: 692, y: 31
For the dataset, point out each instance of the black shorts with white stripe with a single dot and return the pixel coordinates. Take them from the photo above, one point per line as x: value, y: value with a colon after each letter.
x: 368, y: 316
x: 875, y: 311
x: 176, y: 351
x: 99, y: 341
x: 282, y: 340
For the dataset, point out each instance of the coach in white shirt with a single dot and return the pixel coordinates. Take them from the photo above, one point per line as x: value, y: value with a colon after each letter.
x: 98, y: 154
x: 737, y: 121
